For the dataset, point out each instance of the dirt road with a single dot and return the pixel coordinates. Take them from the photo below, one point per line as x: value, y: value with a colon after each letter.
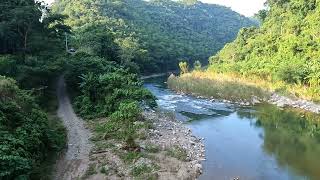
x: 74, y: 162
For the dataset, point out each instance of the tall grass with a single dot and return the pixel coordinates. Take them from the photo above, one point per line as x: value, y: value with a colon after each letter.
x: 236, y: 87
x: 216, y: 86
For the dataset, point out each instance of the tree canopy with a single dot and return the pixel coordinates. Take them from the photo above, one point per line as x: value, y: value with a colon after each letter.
x: 285, y: 47
x: 154, y: 34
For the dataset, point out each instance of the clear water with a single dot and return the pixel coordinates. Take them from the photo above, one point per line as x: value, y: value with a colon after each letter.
x: 261, y: 142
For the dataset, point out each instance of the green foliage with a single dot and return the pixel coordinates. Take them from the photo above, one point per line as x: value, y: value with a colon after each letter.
x: 262, y: 15
x: 130, y: 157
x: 122, y: 122
x: 31, y: 43
x: 184, y: 68
x: 25, y: 132
x: 140, y: 170
x: 104, y: 87
x: 21, y: 30
x: 150, y: 34
x: 197, y: 65
x: 285, y: 48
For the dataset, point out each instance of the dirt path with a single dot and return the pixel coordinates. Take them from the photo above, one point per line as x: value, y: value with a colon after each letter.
x: 74, y: 162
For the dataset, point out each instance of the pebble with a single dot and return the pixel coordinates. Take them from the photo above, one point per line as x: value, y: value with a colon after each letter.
x: 282, y: 101
x: 168, y: 133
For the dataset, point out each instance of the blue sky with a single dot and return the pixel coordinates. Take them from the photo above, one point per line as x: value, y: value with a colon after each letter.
x: 245, y: 7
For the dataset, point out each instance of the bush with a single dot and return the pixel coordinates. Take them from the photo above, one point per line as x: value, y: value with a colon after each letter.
x: 25, y: 133
x: 197, y: 65
x: 291, y: 74
x: 183, y: 67
x: 102, y: 94
x: 122, y: 122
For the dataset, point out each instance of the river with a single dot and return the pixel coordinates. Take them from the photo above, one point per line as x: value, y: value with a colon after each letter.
x: 250, y: 143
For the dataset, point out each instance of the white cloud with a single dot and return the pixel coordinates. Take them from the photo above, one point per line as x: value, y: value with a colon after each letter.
x: 245, y: 7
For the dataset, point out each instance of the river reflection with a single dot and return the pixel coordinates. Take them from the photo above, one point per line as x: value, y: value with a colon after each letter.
x: 293, y: 138
x: 261, y: 142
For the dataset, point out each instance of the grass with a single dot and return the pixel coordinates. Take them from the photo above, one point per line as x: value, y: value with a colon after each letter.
x: 215, y: 87
x: 235, y: 87
x: 152, y: 148
x: 142, y: 169
x: 130, y: 157
x: 144, y: 172
x: 178, y: 153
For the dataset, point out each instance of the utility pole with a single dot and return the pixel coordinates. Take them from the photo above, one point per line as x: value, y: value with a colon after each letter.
x: 67, y: 49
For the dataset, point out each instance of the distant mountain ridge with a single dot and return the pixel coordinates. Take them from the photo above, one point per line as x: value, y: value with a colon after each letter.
x: 169, y: 31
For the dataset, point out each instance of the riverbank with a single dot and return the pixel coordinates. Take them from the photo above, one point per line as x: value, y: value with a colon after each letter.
x: 237, y: 90
x: 168, y: 150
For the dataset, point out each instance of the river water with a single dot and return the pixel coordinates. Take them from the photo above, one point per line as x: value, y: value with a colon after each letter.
x: 250, y: 143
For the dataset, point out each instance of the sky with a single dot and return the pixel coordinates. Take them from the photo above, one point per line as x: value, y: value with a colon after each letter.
x: 244, y: 7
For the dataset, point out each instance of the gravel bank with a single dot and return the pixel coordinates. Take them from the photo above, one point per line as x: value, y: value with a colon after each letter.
x: 168, y: 133
x: 168, y: 151
x: 282, y: 101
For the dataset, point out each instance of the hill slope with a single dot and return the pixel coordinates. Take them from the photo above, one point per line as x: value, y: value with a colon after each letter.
x: 286, y: 48
x: 157, y: 34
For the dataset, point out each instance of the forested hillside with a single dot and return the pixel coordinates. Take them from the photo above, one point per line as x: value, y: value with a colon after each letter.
x: 154, y: 34
x: 30, y: 53
x: 32, y: 57
x: 286, y: 48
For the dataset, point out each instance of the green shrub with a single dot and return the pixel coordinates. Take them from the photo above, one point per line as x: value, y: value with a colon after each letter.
x: 197, y: 65
x: 102, y: 94
x: 122, y: 123
x: 25, y: 134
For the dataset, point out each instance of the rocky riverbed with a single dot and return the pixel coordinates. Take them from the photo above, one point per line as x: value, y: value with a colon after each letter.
x: 282, y: 101
x: 168, y: 151
x: 170, y: 133
x: 274, y: 98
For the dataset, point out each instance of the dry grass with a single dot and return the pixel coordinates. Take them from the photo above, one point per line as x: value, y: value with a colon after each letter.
x: 236, y: 87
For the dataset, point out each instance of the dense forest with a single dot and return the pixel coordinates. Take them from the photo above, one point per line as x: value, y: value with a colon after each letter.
x: 30, y: 57
x: 155, y: 34
x: 114, y: 40
x: 285, y: 48
x: 101, y: 47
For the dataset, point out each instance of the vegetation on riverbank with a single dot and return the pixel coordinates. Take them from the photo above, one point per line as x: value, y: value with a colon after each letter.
x: 217, y: 86
x: 282, y: 55
x: 155, y: 154
x: 236, y: 87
